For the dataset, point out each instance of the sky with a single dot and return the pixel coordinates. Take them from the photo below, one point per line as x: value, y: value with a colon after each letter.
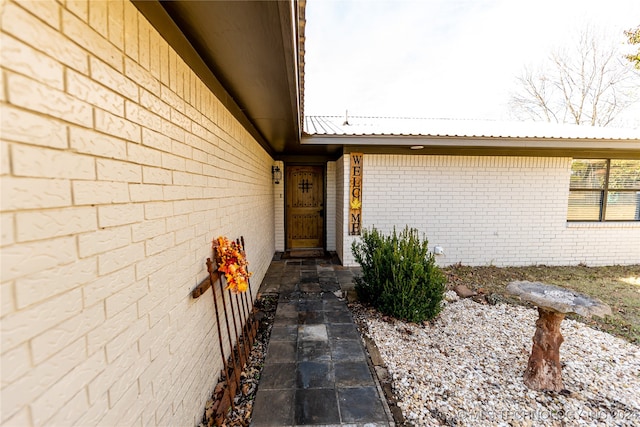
x: 440, y: 58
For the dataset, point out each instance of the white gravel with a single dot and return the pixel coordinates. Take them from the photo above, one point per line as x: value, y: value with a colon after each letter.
x: 466, y: 370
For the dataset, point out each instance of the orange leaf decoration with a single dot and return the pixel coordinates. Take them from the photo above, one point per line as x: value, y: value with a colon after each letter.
x: 232, y: 261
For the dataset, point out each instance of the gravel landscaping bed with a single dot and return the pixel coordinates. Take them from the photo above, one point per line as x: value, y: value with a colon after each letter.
x: 240, y: 415
x: 466, y: 368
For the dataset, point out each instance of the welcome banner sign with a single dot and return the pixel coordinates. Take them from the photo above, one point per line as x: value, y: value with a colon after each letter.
x: 355, y: 194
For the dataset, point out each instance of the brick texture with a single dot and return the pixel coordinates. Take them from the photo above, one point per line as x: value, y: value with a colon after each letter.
x: 330, y: 206
x: 119, y: 167
x: 342, y: 179
x: 278, y: 203
x: 486, y: 210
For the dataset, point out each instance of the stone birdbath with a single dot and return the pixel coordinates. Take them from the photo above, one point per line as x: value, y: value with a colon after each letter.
x: 544, y: 371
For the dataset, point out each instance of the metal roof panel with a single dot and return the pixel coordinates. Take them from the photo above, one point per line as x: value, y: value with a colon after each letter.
x: 406, y: 126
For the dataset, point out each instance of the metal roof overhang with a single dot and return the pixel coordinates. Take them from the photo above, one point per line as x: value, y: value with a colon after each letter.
x: 480, y: 146
x: 246, y: 53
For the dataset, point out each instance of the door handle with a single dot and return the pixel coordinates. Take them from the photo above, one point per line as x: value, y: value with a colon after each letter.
x: 321, y: 213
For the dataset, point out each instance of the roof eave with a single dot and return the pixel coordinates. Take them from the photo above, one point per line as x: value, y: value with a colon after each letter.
x: 247, y: 55
x: 485, y: 146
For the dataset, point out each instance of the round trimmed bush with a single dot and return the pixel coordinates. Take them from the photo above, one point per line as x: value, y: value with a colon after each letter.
x: 399, y: 275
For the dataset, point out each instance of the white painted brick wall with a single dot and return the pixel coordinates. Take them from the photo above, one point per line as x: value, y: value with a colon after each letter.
x: 342, y: 178
x: 23, y: 126
x: 330, y: 206
x: 118, y: 169
x: 278, y: 203
x: 489, y: 210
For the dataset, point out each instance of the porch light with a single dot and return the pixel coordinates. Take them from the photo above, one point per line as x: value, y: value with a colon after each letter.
x: 276, y: 173
x: 417, y: 147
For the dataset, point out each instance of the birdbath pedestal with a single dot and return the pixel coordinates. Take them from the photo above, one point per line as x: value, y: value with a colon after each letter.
x: 544, y: 371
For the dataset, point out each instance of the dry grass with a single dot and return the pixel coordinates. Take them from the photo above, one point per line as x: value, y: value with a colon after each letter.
x: 617, y: 286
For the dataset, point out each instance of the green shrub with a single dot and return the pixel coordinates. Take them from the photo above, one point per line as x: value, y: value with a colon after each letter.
x: 399, y: 275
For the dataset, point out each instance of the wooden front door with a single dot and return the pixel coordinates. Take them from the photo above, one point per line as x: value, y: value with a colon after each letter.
x: 305, y: 207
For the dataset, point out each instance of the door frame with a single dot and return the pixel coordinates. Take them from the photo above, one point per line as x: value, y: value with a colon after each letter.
x: 323, y: 167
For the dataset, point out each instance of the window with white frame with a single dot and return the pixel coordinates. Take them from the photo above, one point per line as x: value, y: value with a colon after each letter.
x: 604, y: 190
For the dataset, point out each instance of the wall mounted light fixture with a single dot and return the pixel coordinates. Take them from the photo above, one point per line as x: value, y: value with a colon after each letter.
x: 276, y: 173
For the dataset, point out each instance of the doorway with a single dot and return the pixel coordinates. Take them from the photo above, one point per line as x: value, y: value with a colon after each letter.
x: 305, y: 207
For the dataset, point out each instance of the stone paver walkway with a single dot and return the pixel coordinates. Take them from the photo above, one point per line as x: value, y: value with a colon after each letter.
x: 316, y: 371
